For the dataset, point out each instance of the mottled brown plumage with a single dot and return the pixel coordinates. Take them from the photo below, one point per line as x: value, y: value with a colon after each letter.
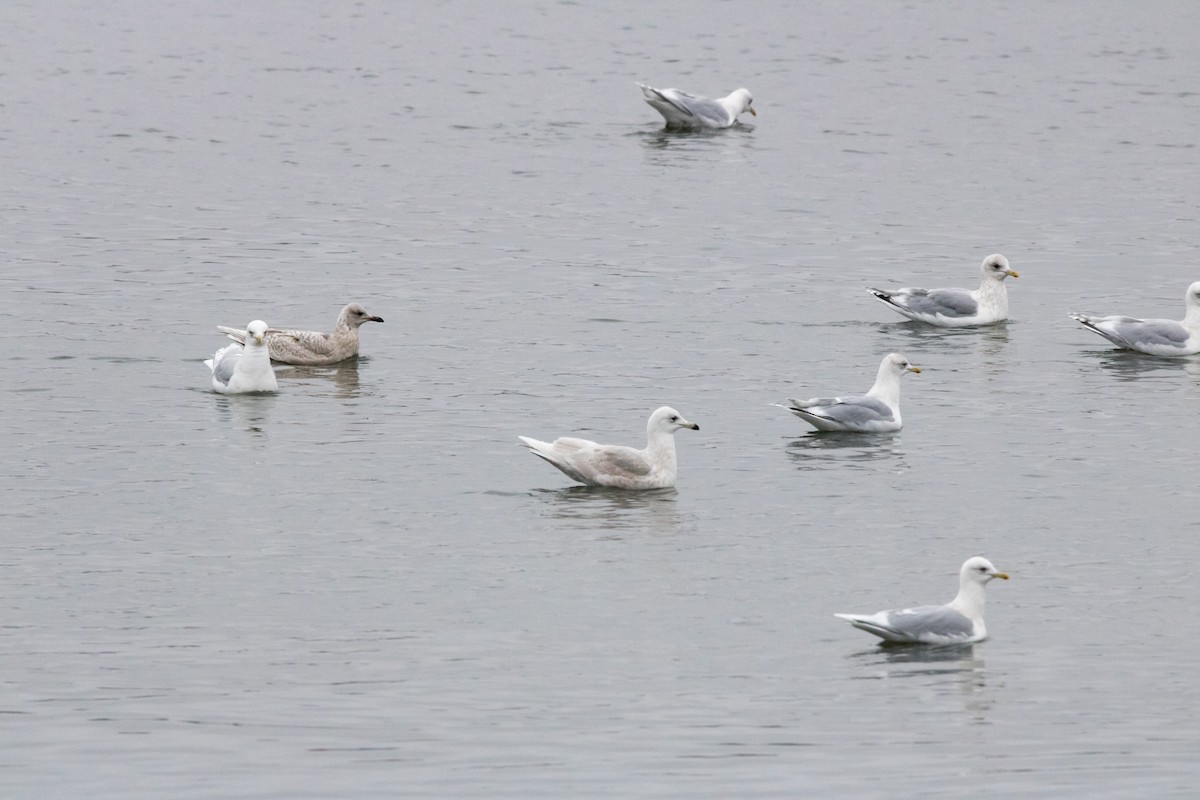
x: 313, y: 348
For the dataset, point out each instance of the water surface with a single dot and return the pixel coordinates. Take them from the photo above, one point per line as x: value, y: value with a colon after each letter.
x: 363, y: 587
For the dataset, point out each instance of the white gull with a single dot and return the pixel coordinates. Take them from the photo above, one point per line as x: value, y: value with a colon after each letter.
x: 956, y: 308
x: 616, y: 466
x: 238, y: 368
x: 683, y: 110
x: 877, y: 411
x: 1157, y: 337
x: 958, y: 622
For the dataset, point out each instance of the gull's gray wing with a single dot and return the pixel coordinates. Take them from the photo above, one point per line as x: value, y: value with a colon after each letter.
x: 691, y: 105
x: 946, y: 302
x: 1150, y: 332
x: 924, y: 621
x: 225, y: 362
x: 847, y: 410
x: 703, y: 108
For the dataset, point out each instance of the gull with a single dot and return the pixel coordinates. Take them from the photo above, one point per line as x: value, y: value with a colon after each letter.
x: 616, y: 466
x: 312, y: 348
x: 958, y: 622
x: 683, y: 110
x: 877, y: 411
x: 1158, y: 337
x: 956, y: 308
x: 238, y: 368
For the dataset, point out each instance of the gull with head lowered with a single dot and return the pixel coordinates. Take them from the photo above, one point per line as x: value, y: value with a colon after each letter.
x: 616, y: 466
x: 958, y: 622
x: 683, y: 110
x: 1156, y: 337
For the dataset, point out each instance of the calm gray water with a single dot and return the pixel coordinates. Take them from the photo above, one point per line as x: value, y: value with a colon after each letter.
x: 363, y: 587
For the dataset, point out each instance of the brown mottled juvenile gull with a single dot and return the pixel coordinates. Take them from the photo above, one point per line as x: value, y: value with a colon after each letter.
x: 1157, y: 337
x: 312, y: 348
x: 683, y: 110
x: 956, y: 308
x: 616, y: 466
x: 242, y: 368
x: 958, y: 622
x: 877, y: 411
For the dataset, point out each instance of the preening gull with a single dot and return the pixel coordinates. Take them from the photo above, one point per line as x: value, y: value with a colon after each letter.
x: 956, y: 308
x: 312, y: 348
x: 877, y: 411
x: 958, y: 622
x: 616, y: 466
x: 1158, y: 337
x: 238, y: 368
x: 683, y: 110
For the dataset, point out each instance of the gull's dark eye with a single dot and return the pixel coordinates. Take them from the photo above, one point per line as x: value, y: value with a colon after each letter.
x: 674, y: 419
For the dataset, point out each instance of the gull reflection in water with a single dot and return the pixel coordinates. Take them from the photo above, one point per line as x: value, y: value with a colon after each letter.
x: 1130, y: 365
x: 954, y: 669
x: 989, y: 340
x: 821, y: 449
x: 614, y: 508
x: 246, y: 411
x: 343, y: 376
x: 694, y: 149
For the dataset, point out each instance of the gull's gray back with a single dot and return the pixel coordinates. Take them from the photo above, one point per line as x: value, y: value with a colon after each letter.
x: 225, y: 362
x: 947, y: 302
x: 852, y: 410
x: 935, y: 620
x: 1153, y: 332
x: 692, y: 106
x: 704, y: 108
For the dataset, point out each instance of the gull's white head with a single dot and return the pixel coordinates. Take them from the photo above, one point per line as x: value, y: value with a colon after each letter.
x: 741, y: 101
x: 996, y: 266
x: 899, y: 364
x: 256, y: 331
x: 979, y: 570
x: 1192, y: 298
x: 668, y: 420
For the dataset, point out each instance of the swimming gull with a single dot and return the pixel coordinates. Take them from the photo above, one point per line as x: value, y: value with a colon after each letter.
x: 683, y: 110
x: 312, y: 348
x: 958, y: 622
x: 1158, y: 337
x: 877, y: 411
x: 616, y: 466
x: 238, y: 368
x: 956, y: 308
